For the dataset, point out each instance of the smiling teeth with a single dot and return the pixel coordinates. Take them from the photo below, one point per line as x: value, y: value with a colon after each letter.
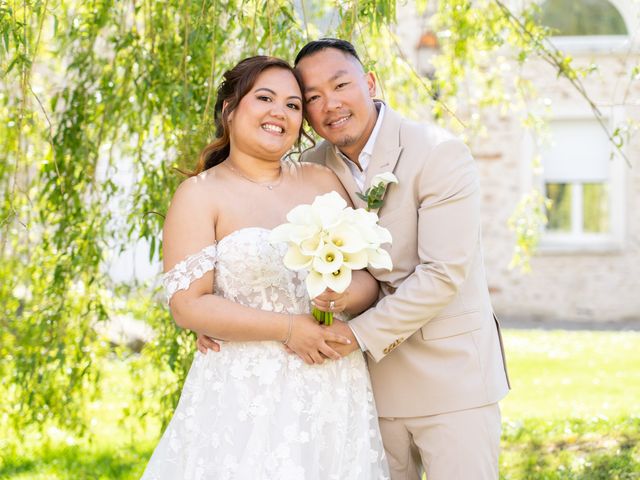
x: 272, y: 128
x: 339, y: 122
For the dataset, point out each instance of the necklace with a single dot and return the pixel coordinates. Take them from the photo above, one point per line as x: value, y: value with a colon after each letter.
x: 270, y: 186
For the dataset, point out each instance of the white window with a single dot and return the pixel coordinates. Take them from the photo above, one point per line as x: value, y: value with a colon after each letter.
x: 583, y: 178
x: 582, y: 17
x: 586, y: 25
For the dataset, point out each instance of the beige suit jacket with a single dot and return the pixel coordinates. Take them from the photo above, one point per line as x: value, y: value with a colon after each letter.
x: 432, y: 340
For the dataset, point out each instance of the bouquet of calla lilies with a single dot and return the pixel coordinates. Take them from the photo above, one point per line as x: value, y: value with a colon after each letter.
x: 330, y: 240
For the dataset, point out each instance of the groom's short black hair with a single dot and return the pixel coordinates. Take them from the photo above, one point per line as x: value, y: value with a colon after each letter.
x: 324, y: 43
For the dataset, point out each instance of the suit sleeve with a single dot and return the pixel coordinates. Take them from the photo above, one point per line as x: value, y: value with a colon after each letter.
x: 448, y: 240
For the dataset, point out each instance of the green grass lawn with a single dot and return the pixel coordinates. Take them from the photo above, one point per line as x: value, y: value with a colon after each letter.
x: 573, y: 413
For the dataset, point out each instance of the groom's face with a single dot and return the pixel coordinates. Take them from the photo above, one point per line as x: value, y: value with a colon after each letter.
x: 339, y: 99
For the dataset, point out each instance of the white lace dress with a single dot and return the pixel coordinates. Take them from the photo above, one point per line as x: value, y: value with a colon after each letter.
x: 253, y: 411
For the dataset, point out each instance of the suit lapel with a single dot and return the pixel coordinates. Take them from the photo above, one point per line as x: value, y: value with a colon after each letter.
x: 340, y: 168
x: 387, y: 148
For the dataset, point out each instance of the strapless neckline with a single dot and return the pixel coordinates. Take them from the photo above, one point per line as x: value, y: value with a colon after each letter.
x: 237, y: 232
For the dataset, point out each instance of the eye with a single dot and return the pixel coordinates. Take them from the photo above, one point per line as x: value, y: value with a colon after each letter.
x: 313, y: 98
x: 264, y: 98
x: 293, y: 106
x: 342, y: 85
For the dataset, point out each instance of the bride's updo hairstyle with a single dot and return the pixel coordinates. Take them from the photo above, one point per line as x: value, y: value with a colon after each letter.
x: 236, y: 84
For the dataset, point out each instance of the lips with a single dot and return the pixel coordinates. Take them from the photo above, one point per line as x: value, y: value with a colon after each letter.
x: 273, y: 128
x: 338, y: 122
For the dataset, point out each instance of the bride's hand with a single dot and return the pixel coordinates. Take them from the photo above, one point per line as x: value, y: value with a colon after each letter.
x: 330, y: 301
x: 309, y: 340
x: 205, y: 343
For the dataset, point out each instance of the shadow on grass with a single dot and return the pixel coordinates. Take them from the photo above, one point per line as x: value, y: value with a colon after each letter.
x: 77, y: 463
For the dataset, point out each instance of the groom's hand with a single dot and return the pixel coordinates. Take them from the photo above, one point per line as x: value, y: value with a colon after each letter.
x: 341, y: 328
x: 205, y: 343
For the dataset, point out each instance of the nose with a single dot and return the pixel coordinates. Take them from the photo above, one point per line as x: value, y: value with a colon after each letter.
x: 333, y: 103
x: 277, y: 110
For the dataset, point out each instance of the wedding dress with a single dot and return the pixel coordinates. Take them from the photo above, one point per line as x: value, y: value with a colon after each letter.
x: 254, y: 411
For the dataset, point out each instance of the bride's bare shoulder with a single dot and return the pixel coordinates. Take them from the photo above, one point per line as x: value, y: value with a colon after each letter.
x: 200, y: 188
x: 313, y: 172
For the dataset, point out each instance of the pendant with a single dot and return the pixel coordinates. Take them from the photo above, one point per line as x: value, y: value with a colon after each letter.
x: 270, y: 187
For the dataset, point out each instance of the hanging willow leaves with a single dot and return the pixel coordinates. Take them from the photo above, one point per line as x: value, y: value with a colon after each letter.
x: 100, y: 100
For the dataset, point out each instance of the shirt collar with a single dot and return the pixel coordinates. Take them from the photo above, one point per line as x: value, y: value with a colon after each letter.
x: 367, y: 150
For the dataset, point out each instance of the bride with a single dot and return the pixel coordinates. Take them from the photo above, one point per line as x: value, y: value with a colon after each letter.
x: 252, y: 411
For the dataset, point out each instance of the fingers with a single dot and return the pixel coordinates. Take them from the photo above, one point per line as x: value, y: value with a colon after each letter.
x: 335, y: 305
x: 207, y: 343
x: 334, y: 337
x: 329, y: 352
x: 199, y: 344
x: 317, y: 358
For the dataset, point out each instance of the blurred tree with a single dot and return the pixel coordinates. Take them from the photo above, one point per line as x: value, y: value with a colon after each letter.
x: 92, y: 89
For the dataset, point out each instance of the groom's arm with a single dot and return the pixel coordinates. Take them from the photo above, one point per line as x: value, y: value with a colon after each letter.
x: 448, y: 240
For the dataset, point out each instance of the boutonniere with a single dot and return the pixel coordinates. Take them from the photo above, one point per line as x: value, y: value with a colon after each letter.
x: 375, y: 193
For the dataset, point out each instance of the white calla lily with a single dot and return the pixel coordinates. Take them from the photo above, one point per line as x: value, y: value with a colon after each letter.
x: 304, y: 233
x: 347, y: 238
x: 379, y: 258
x: 294, y: 259
x: 328, y: 259
x: 356, y: 260
x: 365, y: 223
x: 282, y: 233
x: 384, y: 235
x: 301, y: 215
x: 312, y: 245
x: 315, y: 284
x: 327, y: 209
x: 339, y: 280
x: 383, y: 178
x: 291, y: 232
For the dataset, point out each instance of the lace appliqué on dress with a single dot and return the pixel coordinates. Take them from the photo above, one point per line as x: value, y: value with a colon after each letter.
x: 189, y: 270
x: 252, y: 411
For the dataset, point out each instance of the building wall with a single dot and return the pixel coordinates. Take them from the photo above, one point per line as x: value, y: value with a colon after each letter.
x: 601, y: 285
x: 573, y: 284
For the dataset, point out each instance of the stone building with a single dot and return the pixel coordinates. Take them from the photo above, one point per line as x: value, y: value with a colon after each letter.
x: 587, y: 265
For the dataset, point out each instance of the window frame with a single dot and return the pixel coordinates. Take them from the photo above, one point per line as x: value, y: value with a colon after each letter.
x: 603, y: 44
x: 582, y: 242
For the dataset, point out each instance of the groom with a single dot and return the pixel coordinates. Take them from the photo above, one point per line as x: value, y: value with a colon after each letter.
x: 434, y: 347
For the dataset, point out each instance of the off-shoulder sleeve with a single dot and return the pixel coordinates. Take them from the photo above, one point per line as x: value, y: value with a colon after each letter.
x: 189, y: 270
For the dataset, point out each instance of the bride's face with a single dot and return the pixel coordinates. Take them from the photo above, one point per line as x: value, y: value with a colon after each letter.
x: 267, y: 121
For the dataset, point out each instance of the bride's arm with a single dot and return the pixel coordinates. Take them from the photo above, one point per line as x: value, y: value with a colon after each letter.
x: 189, y: 227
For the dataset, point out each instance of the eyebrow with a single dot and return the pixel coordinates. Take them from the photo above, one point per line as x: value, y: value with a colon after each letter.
x: 274, y: 93
x: 333, y: 78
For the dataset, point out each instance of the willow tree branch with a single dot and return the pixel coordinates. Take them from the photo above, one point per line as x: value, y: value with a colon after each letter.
x: 554, y: 57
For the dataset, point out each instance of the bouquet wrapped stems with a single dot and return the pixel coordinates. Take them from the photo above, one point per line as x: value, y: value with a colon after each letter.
x: 325, y: 318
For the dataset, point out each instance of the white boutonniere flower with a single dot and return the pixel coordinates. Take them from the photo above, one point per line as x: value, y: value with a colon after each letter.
x: 374, y: 196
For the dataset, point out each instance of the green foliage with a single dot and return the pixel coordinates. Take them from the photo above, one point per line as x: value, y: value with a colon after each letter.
x: 527, y: 221
x: 552, y: 429
x: 91, y: 90
x: 571, y: 449
x: 99, y: 91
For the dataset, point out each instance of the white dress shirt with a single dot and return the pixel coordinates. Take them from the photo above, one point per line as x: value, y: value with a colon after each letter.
x: 365, y: 155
